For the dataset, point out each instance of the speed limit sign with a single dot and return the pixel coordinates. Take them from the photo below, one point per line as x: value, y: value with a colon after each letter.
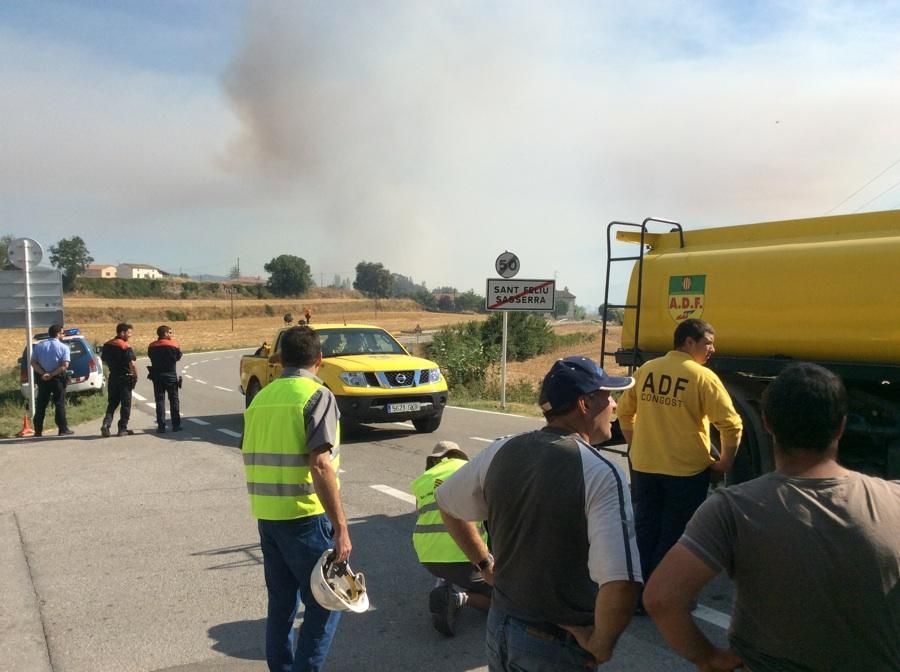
x: 507, y: 265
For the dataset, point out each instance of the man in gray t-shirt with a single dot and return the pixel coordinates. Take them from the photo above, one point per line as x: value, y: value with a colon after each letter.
x: 814, y: 550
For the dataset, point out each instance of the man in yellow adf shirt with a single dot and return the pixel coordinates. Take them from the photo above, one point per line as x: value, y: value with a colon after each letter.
x: 665, y: 419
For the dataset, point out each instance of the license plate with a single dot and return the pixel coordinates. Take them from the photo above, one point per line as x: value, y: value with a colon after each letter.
x: 404, y: 408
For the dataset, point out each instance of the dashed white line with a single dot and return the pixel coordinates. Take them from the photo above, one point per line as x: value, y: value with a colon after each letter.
x: 226, y: 389
x: 229, y: 432
x: 138, y: 397
x: 202, y: 382
x: 481, y: 438
x: 187, y: 375
x: 479, y: 410
x: 197, y: 421
x: 393, y: 492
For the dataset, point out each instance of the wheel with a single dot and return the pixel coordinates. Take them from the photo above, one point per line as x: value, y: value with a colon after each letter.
x: 253, y: 388
x: 754, y: 456
x: 427, y: 425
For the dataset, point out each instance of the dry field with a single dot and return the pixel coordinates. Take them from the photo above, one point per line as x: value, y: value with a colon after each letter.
x: 534, y: 369
x: 97, y: 319
x: 194, y: 335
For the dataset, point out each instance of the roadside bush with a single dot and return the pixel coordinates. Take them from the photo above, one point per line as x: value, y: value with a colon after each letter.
x: 463, y: 355
x: 269, y: 310
x: 528, y: 335
x: 176, y: 316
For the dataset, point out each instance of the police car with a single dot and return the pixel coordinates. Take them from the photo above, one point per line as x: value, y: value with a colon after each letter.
x: 85, y: 368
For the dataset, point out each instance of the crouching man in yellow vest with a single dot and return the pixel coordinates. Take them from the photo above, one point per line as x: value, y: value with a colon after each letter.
x: 459, y: 582
x: 291, y: 457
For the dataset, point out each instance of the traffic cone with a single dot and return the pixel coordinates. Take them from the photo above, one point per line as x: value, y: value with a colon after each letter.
x: 26, y: 427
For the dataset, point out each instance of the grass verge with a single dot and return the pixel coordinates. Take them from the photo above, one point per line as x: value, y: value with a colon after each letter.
x: 79, y: 407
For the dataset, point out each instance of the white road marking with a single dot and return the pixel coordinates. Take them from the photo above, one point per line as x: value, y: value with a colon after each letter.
x: 712, y: 616
x: 478, y: 410
x: 229, y: 432
x: 717, y: 618
x: 151, y: 404
x: 227, y: 389
x: 481, y: 438
x: 393, y: 492
x: 188, y: 375
x: 138, y: 397
x: 202, y: 382
x: 197, y: 421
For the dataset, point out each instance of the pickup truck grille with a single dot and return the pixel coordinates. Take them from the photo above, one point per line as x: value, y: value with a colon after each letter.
x: 390, y: 379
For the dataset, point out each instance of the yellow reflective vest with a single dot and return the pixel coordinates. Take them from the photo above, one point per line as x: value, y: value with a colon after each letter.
x: 430, y: 538
x: 276, y: 458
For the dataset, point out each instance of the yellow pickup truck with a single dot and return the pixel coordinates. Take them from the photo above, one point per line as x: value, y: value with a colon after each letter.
x: 372, y: 376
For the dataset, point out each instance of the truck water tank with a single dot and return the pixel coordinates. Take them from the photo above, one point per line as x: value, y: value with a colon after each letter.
x: 823, y: 289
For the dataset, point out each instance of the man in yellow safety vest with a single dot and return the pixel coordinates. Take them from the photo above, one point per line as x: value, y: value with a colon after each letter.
x: 459, y: 582
x: 291, y: 457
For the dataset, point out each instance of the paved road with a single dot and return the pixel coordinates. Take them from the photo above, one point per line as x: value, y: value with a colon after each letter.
x: 139, y: 553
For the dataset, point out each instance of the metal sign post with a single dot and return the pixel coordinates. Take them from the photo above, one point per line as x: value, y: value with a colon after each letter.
x: 515, y: 295
x: 23, y: 253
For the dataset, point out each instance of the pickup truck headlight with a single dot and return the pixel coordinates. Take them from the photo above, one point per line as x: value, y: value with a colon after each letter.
x: 354, y: 378
x: 431, y: 376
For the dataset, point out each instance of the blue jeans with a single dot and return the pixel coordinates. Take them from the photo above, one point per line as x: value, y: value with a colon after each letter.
x: 663, y: 505
x: 516, y: 646
x: 290, y: 550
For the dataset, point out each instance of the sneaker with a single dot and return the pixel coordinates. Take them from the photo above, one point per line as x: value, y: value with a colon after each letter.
x: 125, y: 432
x: 161, y: 429
x: 104, y: 432
x: 66, y: 432
x: 443, y: 603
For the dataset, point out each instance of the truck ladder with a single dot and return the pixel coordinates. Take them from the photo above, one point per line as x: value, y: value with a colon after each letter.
x: 634, y: 363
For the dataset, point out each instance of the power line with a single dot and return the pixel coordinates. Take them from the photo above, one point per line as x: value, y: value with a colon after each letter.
x: 863, y: 187
x: 893, y: 186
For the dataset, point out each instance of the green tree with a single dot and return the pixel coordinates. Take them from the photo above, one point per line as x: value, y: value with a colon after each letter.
x: 561, y: 309
x: 614, y: 315
x: 5, y: 241
x: 470, y: 301
x: 373, y: 280
x: 425, y: 299
x: 288, y: 275
x: 70, y: 255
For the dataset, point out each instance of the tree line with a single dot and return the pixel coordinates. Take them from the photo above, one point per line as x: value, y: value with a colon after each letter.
x: 290, y: 275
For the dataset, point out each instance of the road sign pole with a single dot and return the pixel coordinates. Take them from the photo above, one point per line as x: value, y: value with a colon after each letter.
x: 28, y: 330
x: 503, y: 361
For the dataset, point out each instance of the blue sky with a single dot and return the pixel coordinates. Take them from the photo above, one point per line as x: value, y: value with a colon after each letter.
x: 433, y: 136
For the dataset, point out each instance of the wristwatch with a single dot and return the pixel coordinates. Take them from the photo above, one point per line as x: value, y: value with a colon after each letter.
x: 482, y: 565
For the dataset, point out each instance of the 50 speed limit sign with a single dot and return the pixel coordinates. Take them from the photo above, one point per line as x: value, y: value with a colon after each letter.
x: 507, y: 265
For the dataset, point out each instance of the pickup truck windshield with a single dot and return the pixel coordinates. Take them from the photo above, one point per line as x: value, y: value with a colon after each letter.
x: 349, y: 341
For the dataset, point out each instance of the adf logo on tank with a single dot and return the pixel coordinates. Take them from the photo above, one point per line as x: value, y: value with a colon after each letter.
x: 686, y: 296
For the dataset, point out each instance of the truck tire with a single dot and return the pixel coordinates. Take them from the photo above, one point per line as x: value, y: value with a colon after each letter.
x: 253, y: 388
x: 427, y: 425
x: 754, y: 457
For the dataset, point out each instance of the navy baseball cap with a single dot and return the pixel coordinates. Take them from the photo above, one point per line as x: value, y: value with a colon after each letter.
x: 573, y: 377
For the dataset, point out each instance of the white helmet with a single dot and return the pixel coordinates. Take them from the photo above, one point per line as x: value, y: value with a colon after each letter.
x: 336, y: 587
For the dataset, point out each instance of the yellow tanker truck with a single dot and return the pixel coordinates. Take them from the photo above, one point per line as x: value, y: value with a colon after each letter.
x: 825, y: 290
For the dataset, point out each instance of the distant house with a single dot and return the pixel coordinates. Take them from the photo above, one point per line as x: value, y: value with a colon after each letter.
x: 100, y: 271
x: 139, y: 272
x: 567, y: 296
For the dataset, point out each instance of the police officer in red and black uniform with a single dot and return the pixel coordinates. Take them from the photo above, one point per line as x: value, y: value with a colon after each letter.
x: 164, y: 353
x: 119, y: 357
